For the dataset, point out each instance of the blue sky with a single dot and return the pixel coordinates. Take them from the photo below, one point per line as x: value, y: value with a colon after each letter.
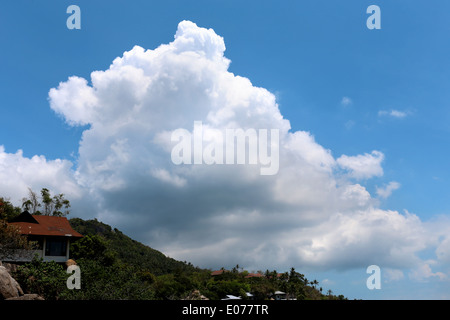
x: 353, y: 89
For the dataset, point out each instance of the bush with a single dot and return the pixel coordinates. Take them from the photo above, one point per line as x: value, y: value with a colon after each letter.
x: 92, y: 247
x: 114, y: 282
x: 48, y: 279
x: 218, y: 289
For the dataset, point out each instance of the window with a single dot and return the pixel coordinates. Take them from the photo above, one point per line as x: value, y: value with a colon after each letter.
x: 56, y: 247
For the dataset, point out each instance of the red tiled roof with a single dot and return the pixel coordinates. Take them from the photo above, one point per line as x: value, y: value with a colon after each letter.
x: 254, y: 275
x: 47, y: 226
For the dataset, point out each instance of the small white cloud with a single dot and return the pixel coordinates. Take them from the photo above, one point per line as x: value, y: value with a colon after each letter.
x: 393, y: 113
x: 423, y: 272
x: 346, y: 101
x: 362, y: 166
x: 349, y: 124
x: 328, y: 282
x: 387, y: 190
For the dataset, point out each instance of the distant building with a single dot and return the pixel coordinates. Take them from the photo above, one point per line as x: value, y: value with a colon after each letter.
x: 255, y: 275
x: 218, y: 272
x: 250, y: 296
x: 52, y: 234
x: 231, y: 297
x: 278, y: 295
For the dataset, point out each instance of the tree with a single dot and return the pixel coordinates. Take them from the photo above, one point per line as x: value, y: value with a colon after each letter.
x: 31, y: 204
x: 7, y: 210
x: 296, y: 284
x: 93, y: 247
x: 262, y: 289
x: 314, y: 283
x: 53, y: 205
x: 12, y: 243
x: 57, y: 205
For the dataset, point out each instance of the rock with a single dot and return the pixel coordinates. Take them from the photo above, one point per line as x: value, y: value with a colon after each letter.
x: 70, y: 262
x: 11, y: 267
x: 9, y: 288
x: 28, y: 296
x: 196, y: 295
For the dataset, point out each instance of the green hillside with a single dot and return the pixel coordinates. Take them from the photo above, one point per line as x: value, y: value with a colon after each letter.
x: 130, y: 251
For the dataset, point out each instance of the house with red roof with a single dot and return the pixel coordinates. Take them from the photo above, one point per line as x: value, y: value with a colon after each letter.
x: 51, y: 234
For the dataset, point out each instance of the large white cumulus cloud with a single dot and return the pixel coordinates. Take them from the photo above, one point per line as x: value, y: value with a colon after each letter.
x: 313, y: 213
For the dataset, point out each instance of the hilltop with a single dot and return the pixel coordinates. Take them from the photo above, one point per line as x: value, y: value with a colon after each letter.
x: 130, y: 251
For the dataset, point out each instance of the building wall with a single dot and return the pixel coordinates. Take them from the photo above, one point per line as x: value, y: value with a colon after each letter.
x: 55, y: 258
x: 28, y: 255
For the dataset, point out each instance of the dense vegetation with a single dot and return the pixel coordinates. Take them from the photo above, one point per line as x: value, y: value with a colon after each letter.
x: 10, y: 238
x: 126, y: 249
